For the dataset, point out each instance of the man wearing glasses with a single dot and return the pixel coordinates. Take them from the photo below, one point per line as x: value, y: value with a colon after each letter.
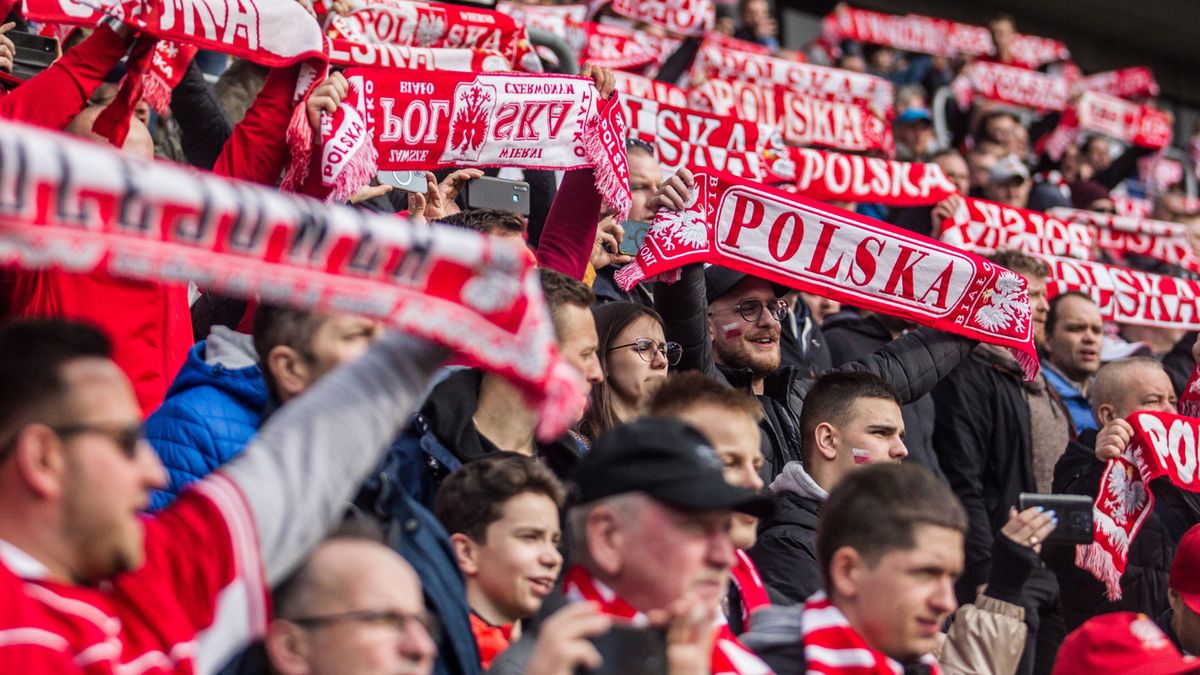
x: 89, y: 584
x: 729, y: 324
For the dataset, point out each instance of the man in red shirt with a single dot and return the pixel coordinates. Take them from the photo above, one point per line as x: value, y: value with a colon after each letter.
x: 89, y: 585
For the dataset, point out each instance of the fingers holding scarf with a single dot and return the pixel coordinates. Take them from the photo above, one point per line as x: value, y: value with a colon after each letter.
x: 325, y: 98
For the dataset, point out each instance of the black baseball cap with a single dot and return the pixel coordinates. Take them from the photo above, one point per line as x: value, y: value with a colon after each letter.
x: 667, y: 460
x: 719, y: 280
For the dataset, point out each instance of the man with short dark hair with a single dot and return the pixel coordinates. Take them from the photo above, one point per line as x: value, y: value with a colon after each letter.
x: 850, y: 419
x: 502, y: 515
x: 86, y: 581
x: 1074, y: 339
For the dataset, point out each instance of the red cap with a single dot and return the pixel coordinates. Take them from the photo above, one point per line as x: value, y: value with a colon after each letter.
x: 1185, y: 569
x: 1122, y: 643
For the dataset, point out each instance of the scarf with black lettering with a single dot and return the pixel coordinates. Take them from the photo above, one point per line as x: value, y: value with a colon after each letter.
x: 401, y: 119
x: 1162, y: 445
x: 815, y: 247
x: 833, y: 647
x: 74, y: 205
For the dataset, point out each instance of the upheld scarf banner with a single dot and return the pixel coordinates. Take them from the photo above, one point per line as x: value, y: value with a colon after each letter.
x: 831, y: 84
x: 368, y: 55
x: 834, y: 176
x: 665, y: 93
x: 698, y: 141
x: 1110, y: 116
x: 986, y: 227
x: 804, y: 244
x: 1158, y: 239
x: 1163, y: 445
x: 1011, y: 85
x: 1127, y: 295
x: 928, y: 35
x: 615, y: 47
x: 685, y: 17
x: 801, y: 120
x: 1136, y: 82
x: 403, y: 119
x: 82, y: 207
x: 408, y: 23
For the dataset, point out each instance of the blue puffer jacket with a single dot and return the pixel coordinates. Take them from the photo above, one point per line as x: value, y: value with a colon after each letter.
x: 210, y: 413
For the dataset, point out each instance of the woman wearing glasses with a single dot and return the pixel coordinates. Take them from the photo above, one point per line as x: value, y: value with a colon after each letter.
x: 633, y: 353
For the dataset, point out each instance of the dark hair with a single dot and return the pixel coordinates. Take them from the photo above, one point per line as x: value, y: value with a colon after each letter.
x: 611, y: 319
x: 1021, y: 263
x: 680, y: 391
x: 276, y: 326
x: 1052, y: 315
x: 878, y: 508
x: 32, y: 354
x: 486, y: 221
x: 561, y: 290
x: 471, y: 498
x: 1002, y: 16
x: 987, y: 119
x: 831, y: 399
x: 286, y: 596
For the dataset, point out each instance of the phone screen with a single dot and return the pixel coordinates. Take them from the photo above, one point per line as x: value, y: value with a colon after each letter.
x: 625, y: 649
x: 635, y: 235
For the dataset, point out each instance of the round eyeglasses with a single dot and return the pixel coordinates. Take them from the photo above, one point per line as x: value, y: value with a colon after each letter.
x: 671, y: 351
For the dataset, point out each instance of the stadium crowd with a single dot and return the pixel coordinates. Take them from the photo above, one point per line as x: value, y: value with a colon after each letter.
x: 783, y: 464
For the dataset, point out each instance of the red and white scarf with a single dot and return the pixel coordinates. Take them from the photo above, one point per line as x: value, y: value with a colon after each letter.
x: 831, y: 84
x: 750, y: 587
x: 928, y: 35
x: 615, y: 47
x: 629, y: 84
x: 802, y: 120
x: 834, y: 176
x: 1136, y: 82
x: 1132, y: 206
x: 1156, y: 239
x: 1162, y: 445
x: 1109, y: 116
x: 409, y: 23
x: 86, y: 208
x: 986, y: 227
x: 168, y: 64
x: 1011, y: 85
x: 687, y: 138
x: 399, y: 119
x: 368, y: 55
x: 1120, y: 223
x: 729, y: 657
x: 833, y: 647
x: 841, y: 255
x: 1128, y: 295
x: 685, y: 17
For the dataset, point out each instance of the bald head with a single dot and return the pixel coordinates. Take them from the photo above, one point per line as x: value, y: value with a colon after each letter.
x: 138, y: 142
x: 1129, y: 385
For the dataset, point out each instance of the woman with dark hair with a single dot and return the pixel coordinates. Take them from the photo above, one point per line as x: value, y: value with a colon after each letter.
x: 633, y: 352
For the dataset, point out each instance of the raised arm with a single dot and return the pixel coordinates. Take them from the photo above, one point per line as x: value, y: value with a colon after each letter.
x: 914, y: 363
x: 257, y: 151
x: 566, y: 240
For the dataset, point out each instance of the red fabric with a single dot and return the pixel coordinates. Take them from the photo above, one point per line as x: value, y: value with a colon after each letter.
x: 750, y: 587
x: 1013, y: 85
x: 833, y: 647
x: 841, y: 255
x: 168, y: 64
x: 1128, y: 295
x: 1110, y: 116
x: 615, y: 47
x: 570, y: 231
x: 834, y: 176
x: 257, y: 150
x: 491, y: 640
x: 1136, y: 82
x: 1121, y: 643
x: 201, y: 557
x: 685, y: 17
x: 986, y: 227
x: 1163, y: 445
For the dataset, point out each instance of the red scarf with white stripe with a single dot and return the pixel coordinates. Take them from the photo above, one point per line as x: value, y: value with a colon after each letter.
x: 397, y: 119
x: 729, y: 657
x: 833, y: 647
x: 1162, y: 445
x: 815, y: 247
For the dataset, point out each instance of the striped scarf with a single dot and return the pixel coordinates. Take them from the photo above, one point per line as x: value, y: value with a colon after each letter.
x: 831, y: 645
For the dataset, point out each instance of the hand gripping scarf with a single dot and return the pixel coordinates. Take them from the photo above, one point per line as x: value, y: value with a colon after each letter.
x: 833, y: 647
x: 685, y: 17
x: 696, y: 140
x: 841, y: 255
x: 802, y: 120
x: 1011, y: 85
x: 408, y: 23
x: 833, y: 176
x: 1162, y: 445
x: 986, y: 227
x: 1110, y: 116
x: 1136, y: 82
x: 83, y: 207
x: 1127, y: 295
x: 401, y: 119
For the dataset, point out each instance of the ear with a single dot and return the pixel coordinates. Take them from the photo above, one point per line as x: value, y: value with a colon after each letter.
x: 41, y: 460
x: 605, y: 540
x: 827, y: 438
x: 1175, y: 600
x: 287, y: 648
x: 466, y: 551
x: 845, y: 573
x: 1105, y: 414
x: 290, y: 370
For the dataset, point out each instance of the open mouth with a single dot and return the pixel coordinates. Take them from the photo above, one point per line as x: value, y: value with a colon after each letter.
x: 541, y: 586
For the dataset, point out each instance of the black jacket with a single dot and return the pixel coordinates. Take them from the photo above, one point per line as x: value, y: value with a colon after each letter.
x: 912, y: 365
x: 852, y: 337
x: 802, y: 343
x: 983, y: 442
x: 786, y: 551
x: 1144, y: 584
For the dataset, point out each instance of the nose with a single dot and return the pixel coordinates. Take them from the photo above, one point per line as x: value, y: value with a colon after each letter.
x: 155, y: 475
x: 550, y: 556
x: 766, y: 318
x: 900, y: 450
x: 753, y: 480
x: 594, y: 374
x: 943, y: 600
x: 658, y: 360
x: 416, y: 644
x: 720, y: 550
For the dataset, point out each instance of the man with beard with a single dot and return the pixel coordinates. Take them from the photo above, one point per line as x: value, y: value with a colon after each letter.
x: 729, y: 324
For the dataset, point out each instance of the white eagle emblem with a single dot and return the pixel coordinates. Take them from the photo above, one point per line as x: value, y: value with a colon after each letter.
x: 1007, y: 304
